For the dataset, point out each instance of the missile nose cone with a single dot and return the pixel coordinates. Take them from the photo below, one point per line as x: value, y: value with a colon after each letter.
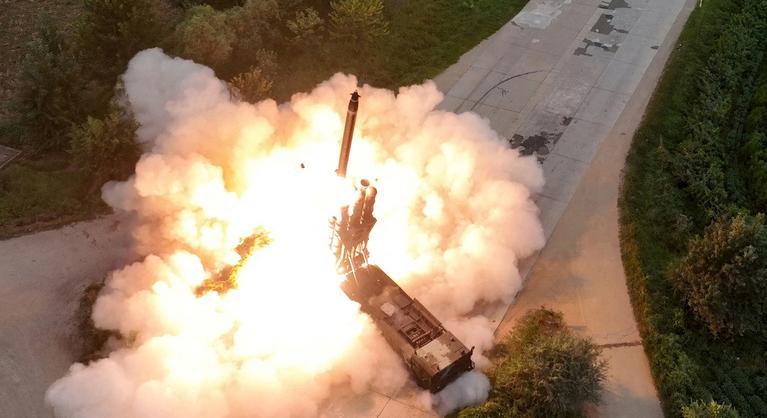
x: 354, y: 101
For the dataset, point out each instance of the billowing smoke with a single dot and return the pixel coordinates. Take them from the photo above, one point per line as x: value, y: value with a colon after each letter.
x: 454, y: 216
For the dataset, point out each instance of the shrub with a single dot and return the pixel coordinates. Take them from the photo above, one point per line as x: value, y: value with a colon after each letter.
x: 711, y: 409
x: 543, y: 370
x: 47, y: 92
x: 105, y: 148
x: 489, y: 409
x: 723, y: 277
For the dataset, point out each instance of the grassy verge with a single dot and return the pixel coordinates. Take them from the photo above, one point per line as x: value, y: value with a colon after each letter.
x: 659, y: 213
x: 428, y: 36
x: 43, y: 193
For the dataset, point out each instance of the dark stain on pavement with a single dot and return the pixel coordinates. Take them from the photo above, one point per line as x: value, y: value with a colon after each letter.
x: 584, y: 50
x: 614, y: 4
x: 539, y: 144
x: 605, y: 26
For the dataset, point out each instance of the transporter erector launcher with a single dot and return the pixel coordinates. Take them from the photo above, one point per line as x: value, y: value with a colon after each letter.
x: 434, y: 356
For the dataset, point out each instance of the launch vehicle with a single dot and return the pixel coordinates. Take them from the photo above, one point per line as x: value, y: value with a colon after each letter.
x: 434, y: 356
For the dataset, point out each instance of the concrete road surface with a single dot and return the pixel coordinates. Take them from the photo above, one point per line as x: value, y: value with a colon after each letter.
x: 568, y: 81
x: 591, y: 66
x: 42, y: 278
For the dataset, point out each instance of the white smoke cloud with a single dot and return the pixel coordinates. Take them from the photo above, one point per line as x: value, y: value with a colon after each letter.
x: 455, y: 214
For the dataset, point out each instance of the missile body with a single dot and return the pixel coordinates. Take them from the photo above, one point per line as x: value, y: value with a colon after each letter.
x: 346, y: 144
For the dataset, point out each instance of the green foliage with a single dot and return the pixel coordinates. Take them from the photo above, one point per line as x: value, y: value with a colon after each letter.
x: 256, y: 28
x: 255, y: 84
x: 47, y: 101
x: 723, y: 277
x: 686, y: 167
x: 357, y: 24
x: 105, y: 148
x: 228, y: 41
x: 111, y: 32
x: 205, y: 36
x: 423, y: 38
x: 217, y: 4
x: 705, y: 155
x: 709, y: 409
x: 755, y: 147
x: 489, y: 409
x: 44, y: 191
x: 543, y: 370
x: 306, y: 28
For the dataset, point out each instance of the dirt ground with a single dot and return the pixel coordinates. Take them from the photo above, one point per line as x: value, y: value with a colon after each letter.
x: 42, y: 278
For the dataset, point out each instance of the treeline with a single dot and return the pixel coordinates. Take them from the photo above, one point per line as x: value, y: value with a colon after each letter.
x: 76, y: 137
x: 693, y: 237
x: 66, y: 88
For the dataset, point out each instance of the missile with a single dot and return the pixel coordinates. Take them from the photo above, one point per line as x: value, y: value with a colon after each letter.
x: 346, y: 144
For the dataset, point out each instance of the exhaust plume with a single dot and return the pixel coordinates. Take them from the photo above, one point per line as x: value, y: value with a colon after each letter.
x: 454, y: 214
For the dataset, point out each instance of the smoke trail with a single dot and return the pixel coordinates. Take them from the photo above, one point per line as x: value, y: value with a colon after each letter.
x: 454, y: 213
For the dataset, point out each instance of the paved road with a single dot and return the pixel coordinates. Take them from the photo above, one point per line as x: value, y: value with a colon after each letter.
x: 595, y: 65
x: 583, y: 73
x: 42, y: 278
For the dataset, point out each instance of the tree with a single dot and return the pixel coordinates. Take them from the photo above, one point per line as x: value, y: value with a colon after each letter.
x: 357, y: 24
x: 111, y: 32
x: 228, y: 41
x: 47, y: 101
x: 699, y: 409
x: 205, y: 36
x: 723, y: 277
x: 255, y: 30
x: 543, y: 370
x: 306, y: 27
x: 256, y: 83
x: 105, y: 148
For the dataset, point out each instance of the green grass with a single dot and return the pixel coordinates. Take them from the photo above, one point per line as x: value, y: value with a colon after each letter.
x: 43, y: 193
x: 425, y: 37
x: 428, y: 36
x: 658, y: 216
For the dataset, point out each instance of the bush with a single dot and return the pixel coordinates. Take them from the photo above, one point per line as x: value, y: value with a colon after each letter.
x: 543, y: 370
x: 723, y: 277
x: 105, y: 148
x: 47, y: 92
x: 711, y: 409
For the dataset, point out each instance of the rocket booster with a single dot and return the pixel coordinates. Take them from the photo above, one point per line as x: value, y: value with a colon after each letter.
x: 346, y: 144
